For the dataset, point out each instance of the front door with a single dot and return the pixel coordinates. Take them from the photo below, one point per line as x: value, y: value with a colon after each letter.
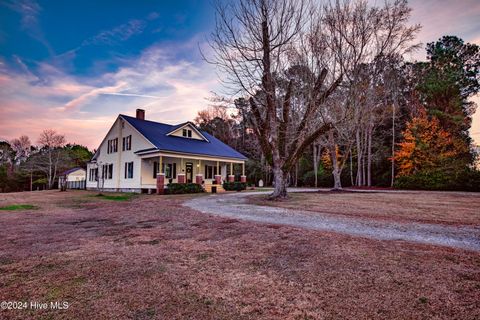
x: 189, y: 172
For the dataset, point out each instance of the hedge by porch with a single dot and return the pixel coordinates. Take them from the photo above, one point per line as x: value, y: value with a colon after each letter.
x: 182, y: 188
x: 238, y: 186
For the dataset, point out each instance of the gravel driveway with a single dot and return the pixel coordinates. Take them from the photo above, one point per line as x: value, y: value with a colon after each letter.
x: 235, y: 206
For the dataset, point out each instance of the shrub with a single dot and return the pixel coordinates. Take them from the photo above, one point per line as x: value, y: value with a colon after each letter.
x: 182, y: 188
x: 466, y: 180
x: 238, y: 186
x: 325, y: 179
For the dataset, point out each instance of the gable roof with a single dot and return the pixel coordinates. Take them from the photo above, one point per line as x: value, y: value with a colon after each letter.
x: 67, y: 172
x: 184, y: 125
x: 158, y: 134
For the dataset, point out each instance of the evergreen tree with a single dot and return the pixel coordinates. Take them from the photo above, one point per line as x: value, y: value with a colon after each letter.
x: 447, y: 81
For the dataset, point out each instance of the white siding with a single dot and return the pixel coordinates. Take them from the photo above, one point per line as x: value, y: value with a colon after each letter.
x: 76, y: 175
x: 119, y: 158
x: 195, y: 135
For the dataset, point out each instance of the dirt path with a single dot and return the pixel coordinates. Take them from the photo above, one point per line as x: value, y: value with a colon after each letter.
x: 235, y: 206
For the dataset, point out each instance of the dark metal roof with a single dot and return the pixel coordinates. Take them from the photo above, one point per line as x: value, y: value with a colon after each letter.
x: 156, y: 133
x: 72, y: 170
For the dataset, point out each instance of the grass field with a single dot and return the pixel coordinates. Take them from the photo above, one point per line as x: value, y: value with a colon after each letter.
x: 423, y: 206
x: 13, y: 207
x: 148, y: 257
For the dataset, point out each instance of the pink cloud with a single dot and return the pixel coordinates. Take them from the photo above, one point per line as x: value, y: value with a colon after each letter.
x: 84, y: 108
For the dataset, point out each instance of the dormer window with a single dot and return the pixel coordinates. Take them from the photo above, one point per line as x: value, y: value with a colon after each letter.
x: 187, y: 130
x: 187, y: 133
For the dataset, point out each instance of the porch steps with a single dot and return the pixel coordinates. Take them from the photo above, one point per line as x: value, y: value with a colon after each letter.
x: 208, y: 188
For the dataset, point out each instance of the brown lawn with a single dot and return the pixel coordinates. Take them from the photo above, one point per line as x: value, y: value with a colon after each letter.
x: 422, y: 206
x: 151, y: 258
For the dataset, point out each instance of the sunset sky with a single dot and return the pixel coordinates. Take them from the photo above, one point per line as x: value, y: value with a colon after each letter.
x: 75, y: 65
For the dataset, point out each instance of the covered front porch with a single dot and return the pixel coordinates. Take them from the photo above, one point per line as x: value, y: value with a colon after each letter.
x: 158, y: 170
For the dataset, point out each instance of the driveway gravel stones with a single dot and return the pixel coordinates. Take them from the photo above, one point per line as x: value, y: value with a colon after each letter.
x: 235, y: 205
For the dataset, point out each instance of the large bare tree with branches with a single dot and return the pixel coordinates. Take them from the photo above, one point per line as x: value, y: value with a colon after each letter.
x: 289, y: 57
x: 50, y: 155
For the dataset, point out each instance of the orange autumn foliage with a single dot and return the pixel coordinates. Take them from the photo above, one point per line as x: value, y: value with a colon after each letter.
x: 426, y: 146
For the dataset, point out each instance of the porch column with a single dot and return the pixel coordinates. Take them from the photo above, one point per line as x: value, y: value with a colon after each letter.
x: 231, y: 176
x: 243, y: 177
x: 218, y: 176
x: 181, y: 175
x: 160, y: 177
x: 199, y: 176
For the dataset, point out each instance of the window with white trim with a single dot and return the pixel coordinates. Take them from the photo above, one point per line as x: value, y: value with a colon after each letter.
x: 107, y: 171
x: 128, y: 170
x: 187, y: 133
x: 127, y: 143
x: 170, y: 170
x: 112, y: 145
x: 210, y: 172
x: 93, y: 174
x: 155, y: 169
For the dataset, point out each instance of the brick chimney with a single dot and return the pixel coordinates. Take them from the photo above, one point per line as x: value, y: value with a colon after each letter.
x: 140, y: 114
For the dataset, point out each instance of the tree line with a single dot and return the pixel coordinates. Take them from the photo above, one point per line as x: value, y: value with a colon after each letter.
x: 24, y: 166
x: 323, y: 96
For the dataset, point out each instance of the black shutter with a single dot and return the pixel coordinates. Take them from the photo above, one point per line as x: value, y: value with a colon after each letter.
x: 155, y: 169
x: 126, y: 168
x: 174, y: 176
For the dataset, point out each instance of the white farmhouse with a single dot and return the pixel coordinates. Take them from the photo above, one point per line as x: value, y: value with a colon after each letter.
x: 138, y: 155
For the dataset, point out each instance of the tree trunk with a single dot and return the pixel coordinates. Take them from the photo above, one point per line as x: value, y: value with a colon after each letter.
x: 280, y: 188
x: 337, y: 182
x: 296, y: 174
x: 50, y: 170
x: 336, y: 170
x: 369, y: 156
x: 359, y: 158
x: 351, y: 168
x: 316, y: 161
x: 364, y: 170
x: 315, y: 164
x: 392, y: 182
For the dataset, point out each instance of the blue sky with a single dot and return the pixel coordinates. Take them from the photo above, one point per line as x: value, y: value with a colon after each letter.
x: 88, y: 38
x: 74, y: 65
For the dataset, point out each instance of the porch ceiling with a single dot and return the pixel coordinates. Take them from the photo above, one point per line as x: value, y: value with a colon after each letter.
x: 189, y: 156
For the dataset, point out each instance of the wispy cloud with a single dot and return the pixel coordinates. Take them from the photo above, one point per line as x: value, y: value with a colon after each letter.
x: 91, y: 94
x: 29, y: 11
x: 114, y: 35
x: 131, y: 95
x: 119, y: 33
x: 171, y: 90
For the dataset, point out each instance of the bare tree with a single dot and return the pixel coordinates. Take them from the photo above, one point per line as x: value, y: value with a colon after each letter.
x: 22, y: 147
x: 371, y: 34
x: 51, y: 144
x: 290, y: 56
x: 255, y: 43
